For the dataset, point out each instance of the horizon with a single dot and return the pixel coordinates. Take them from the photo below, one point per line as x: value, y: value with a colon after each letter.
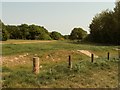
x: 54, y: 16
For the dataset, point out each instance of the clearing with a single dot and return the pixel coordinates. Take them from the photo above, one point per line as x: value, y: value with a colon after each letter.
x: 54, y: 72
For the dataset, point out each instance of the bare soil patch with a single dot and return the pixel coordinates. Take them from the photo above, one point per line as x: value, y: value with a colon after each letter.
x: 55, y: 56
x: 15, y: 59
x: 87, y: 53
x: 26, y: 58
x: 58, y: 55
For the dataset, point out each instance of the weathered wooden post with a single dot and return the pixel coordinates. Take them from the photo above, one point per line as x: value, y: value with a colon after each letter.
x: 36, y: 65
x: 118, y: 53
x: 108, y: 55
x: 92, y: 58
x: 69, y: 62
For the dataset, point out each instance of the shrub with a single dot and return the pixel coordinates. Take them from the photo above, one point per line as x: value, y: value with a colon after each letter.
x: 55, y: 35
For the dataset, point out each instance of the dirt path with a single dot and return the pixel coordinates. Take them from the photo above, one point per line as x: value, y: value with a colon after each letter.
x: 116, y: 49
x: 87, y: 53
x: 25, y: 41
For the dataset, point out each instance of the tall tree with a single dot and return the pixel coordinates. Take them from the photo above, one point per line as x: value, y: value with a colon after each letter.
x: 117, y: 20
x: 3, y: 32
x: 24, y: 29
x: 14, y: 32
x: 105, y: 27
x: 102, y: 27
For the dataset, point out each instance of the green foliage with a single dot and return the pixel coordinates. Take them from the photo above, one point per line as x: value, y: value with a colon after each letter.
x: 80, y: 67
x: 6, y: 69
x: 9, y: 49
x: 14, y: 32
x: 66, y: 36
x: 0, y: 30
x: 56, y: 35
x: 4, y: 33
x: 78, y: 34
x: 105, y: 27
x: 80, y: 73
x: 36, y: 32
x: 44, y: 36
x: 30, y: 32
x: 19, y: 79
x: 24, y: 31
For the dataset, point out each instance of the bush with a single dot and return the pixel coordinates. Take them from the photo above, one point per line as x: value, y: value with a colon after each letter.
x: 78, y: 34
x: 55, y: 35
x: 44, y: 36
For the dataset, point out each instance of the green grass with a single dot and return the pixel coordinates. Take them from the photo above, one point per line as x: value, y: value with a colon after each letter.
x: 55, y: 74
x: 10, y: 49
x: 102, y: 73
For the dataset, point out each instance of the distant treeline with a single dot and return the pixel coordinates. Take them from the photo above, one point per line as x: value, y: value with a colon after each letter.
x: 35, y: 32
x: 29, y: 32
x: 104, y: 28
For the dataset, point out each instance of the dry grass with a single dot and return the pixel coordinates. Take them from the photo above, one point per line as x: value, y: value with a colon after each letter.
x: 24, y: 41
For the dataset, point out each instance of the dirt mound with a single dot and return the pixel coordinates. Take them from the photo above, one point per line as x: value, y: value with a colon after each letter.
x: 57, y: 55
x: 15, y: 59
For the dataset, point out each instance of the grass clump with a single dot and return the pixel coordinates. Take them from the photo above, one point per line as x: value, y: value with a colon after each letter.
x: 6, y: 69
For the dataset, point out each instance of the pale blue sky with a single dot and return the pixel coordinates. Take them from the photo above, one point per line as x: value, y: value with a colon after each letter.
x: 59, y: 0
x: 54, y: 16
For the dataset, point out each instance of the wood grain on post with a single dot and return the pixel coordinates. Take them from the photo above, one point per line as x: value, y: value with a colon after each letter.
x: 108, y: 55
x: 69, y: 62
x: 36, y: 65
x: 119, y: 53
x: 92, y: 57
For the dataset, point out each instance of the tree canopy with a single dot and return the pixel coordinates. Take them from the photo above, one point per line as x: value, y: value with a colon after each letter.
x: 77, y: 34
x: 29, y: 32
x: 56, y: 35
x: 105, y: 26
x: 3, y: 32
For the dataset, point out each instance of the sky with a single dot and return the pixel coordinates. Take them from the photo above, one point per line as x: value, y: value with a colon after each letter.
x: 54, y: 16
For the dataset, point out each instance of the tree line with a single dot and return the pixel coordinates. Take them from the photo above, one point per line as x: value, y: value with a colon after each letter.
x: 28, y: 32
x: 35, y: 32
x: 104, y: 28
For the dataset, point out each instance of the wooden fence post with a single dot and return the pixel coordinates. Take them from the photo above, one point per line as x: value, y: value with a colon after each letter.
x: 69, y: 62
x: 108, y: 55
x: 92, y: 58
x: 119, y: 53
x: 36, y: 65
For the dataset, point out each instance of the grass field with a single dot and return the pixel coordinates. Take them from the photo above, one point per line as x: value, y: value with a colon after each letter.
x: 54, y: 71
